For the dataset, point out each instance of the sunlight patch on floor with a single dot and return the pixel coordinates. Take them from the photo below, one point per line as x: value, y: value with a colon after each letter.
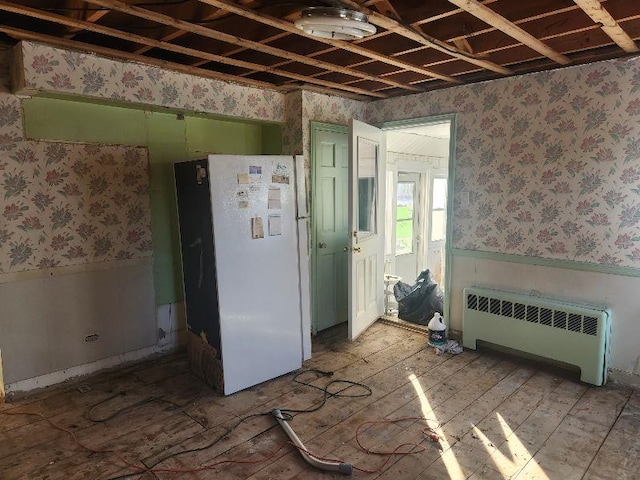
x: 519, y: 455
x: 451, y: 463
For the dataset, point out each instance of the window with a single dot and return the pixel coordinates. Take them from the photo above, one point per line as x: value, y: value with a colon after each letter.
x: 405, y: 202
x: 439, y: 209
x: 367, y: 181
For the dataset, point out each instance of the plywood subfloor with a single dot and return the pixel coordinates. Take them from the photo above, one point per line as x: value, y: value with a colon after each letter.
x: 497, y: 418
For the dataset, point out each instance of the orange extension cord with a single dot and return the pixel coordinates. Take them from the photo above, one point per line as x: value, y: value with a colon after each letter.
x: 429, y: 432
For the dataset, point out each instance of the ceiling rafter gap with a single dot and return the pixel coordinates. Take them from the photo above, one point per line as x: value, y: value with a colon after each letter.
x: 275, y: 22
x: 599, y: 14
x: 272, y: 38
x: 378, y: 79
x: 514, y: 45
x: 179, y: 33
x: 490, y: 17
x: 548, y: 37
x: 518, y: 22
x: 423, y: 38
x: 448, y: 14
x: 110, y: 52
x: 92, y: 17
x: 484, y: 31
x: 68, y: 21
x: 218, y: 35
x: 563, y: 34
x: 386, y: 8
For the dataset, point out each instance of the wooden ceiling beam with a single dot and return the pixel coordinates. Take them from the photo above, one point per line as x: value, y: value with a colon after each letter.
x: 20, y: 34
x: 210, y: 57
x: 342, y: 45
x: 227, y: 38
x: 424, y: 39
x: 179, y: 33
x: 608, y: 24
x: 487, y: 15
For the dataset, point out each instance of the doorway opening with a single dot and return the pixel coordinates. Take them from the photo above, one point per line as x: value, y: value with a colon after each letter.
x: 416, y: 205
x: 418, y: 159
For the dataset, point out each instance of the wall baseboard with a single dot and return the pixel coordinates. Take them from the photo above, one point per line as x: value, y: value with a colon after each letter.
x: 177, y: 340
x: 624, y: 378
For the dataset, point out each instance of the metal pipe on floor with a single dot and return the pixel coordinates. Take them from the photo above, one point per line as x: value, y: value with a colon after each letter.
x: 345, y: 468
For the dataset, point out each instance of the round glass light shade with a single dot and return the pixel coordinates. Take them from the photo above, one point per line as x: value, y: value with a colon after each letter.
x: 336, y: 23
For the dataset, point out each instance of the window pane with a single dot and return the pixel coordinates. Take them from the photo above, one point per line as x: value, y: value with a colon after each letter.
x: 439, y: 193
x: 438, y: 225
x: 367, y: 181
x: 404, y: 237
x: 404, y: 217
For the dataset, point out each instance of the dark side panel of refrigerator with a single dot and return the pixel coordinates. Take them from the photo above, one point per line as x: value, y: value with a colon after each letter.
x: 199, y: 271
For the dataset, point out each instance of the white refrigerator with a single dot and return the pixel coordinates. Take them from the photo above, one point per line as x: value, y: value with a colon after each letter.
x: 244, y: 242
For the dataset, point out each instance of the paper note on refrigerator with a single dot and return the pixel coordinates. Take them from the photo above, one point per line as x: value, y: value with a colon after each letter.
x: 275, y: 201
x: 257, y: 228
x: 275, y: 225
x: 243, y: 178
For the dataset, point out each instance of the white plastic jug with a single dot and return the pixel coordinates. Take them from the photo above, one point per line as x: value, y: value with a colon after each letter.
x: 437, y: 330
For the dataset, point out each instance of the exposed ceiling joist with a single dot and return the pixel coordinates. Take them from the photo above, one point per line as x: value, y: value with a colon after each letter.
x: 487, y: 15
x: 289, y: 27
x: 600, y: 15
x: 20, y: 34
x: 397, y: 28
x: 235, y: 40
x: 83, y: 25
x: 419, y: 46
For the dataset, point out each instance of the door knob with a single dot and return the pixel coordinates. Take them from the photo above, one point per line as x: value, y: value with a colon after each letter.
x: 356, y: 249
x: 322, y: 245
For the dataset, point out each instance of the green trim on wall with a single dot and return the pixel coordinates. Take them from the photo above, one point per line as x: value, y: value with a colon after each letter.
x: 549, y: 262
x: 168, y: 137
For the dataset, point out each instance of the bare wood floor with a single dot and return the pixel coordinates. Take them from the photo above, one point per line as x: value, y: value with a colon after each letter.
x: 498, y: 418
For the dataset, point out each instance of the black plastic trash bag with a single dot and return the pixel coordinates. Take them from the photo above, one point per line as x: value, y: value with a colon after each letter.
x: 418, y: 303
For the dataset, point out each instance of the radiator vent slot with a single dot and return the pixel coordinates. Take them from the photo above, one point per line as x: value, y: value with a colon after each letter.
x: 548, y: 317
x: 572, y: 333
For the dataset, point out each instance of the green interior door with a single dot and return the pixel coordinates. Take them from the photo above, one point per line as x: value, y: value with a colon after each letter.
x: 330, y: 221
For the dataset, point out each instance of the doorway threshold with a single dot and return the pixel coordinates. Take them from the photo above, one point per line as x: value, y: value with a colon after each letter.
x: 398, y: 322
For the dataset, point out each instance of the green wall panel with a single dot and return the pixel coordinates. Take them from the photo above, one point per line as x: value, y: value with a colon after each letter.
x: 168, y: 137
x: 272, y: 139
x: 166, y: 143
x: 55, y: 119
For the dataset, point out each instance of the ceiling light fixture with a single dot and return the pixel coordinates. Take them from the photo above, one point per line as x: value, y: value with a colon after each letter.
x: 335, y: 23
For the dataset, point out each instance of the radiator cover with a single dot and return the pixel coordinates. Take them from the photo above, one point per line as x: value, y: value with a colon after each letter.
x: 577, y: 334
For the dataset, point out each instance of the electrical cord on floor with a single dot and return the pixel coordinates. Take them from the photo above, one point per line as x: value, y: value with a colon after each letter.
x: 288, y: 414
x: 128, y: 407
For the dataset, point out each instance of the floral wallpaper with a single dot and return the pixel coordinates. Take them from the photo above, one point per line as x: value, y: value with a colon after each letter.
x: 65, y: 204
x: 551, y: 161
x: 64, y: 71
x: 292, y: 128
x: 319, y: 107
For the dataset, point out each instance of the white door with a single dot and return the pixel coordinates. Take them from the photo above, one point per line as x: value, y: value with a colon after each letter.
x: 367, y: 167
